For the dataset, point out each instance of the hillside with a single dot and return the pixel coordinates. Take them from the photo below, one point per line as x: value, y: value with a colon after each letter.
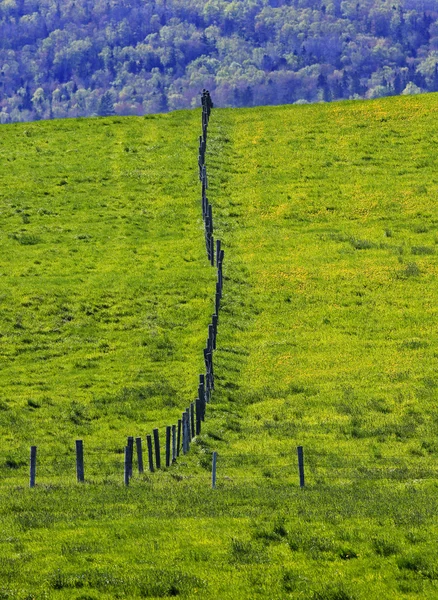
x: 74, y: 58
x: 327, y: 339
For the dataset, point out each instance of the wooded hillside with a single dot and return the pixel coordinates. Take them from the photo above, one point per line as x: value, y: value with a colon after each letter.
x: 63, y: 58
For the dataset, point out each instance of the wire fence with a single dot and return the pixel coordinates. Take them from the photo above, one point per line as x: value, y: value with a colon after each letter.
x: 165, y: 447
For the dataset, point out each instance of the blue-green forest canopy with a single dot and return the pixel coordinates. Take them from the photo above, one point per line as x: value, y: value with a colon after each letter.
x: 68, y: 58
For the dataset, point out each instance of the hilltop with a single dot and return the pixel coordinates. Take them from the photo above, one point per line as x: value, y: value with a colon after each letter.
x: 327, y: 340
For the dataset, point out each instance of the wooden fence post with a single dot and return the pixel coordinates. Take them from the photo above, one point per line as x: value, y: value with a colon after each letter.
x: 150, y: 453
x: 33, y: 456
x: 157, y: 448
x: 192, y: 419
x: 131, y: 453
x: 301, y: 465
x: 173, y: 443
x: 127, y: 461
x: 139, y: 455
x: 79, y: 461
x: 178, y: 442
x: 213, y: 470
x: 189, y: 435
x: 168, y: 432
x: 184, y: 433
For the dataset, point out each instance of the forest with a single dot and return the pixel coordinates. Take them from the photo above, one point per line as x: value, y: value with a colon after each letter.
x: 74, y: 58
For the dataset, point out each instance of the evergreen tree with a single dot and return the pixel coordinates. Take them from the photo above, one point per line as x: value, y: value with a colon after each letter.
x: 106, y: 105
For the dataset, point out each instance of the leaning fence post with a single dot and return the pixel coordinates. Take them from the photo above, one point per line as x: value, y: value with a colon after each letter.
x: 168, y: 432
x: 150, y: 453
x: 301, y: 465
x: 127, y: 455
x: 213, y: 470
x: 33, y: 455
x: 157, y: 448
x: 139, y: 455
x: 79, y: 461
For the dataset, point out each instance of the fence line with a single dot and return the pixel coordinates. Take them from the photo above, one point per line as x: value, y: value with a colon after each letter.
x: 179, y: 436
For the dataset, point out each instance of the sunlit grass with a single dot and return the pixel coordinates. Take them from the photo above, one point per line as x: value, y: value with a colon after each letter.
x: 327, y: 339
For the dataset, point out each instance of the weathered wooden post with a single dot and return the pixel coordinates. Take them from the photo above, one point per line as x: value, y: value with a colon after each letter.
x: 33, y: 456
x: 150, y: 453
x: 130, y: 445
x: 178, y: 442
x: 173, y: 443
x: 79, y: 461
x: 189, y: 435
x: 192, y: 419
x: 168, y: 433
x: 301, y: 465
x: 157, y: 448
x: 139, y: 455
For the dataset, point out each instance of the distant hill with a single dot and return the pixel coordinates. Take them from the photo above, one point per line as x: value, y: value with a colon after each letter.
x: 64, y: 58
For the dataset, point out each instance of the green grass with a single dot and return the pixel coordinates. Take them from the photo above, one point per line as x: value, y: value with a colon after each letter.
x: 327, y: 339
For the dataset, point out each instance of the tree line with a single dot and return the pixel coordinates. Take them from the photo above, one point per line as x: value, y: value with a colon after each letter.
x: 70, y: 58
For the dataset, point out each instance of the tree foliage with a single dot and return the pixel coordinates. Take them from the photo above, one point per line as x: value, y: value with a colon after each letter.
x: 80, y: 57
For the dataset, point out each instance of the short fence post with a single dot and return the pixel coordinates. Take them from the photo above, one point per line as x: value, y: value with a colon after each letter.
x: 178, y: 442
x: 150, y: 453
x: 139, y: 455
x: 157, y: 448
x: 173, y: 443
x: 33, y: 455
x: 79, y: 461
x: 168, y: 432
x: 213, y: 470
x: 301, y: 465
x: 127, y: 455
x: 131, y: 453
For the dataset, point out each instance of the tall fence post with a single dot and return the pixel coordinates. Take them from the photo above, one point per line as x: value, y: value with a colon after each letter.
x: 188, y: 435
x: 157, y: 448
x: 33, y: 456
x: 184, y: 433
x: 79, y: 461
x: 178, y: 442
x: 131, y: 453
x: 301, y: 465
x: 168, y: 433
x: 173, y: 443
x: 150, y: 453
x: 213, y: 470
x: 139, y: 455
x: 192, y: 419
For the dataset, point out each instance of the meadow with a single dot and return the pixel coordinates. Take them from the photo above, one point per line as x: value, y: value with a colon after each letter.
x: 327, y: 339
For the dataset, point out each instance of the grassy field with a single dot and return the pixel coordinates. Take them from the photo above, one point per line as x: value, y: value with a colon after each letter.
x: 327, y: 339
